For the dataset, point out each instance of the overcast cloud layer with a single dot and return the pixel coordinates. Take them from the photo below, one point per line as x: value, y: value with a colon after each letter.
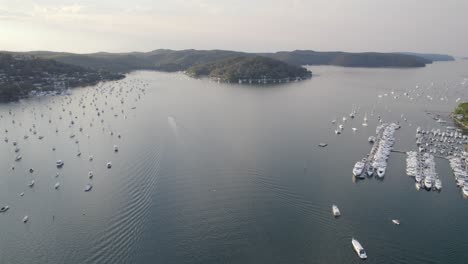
x: 253, y: 25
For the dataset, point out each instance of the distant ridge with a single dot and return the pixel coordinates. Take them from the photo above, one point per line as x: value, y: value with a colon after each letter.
x: 430, y: 56
x: 181, y: 60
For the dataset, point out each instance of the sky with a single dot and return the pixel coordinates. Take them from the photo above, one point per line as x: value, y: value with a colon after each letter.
x: 438, y: 26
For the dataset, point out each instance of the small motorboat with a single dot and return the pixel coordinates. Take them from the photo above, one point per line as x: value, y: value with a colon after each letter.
x: 109, y: 165
x: 59, y: 163
x: 4, y: 208
x: 88, y: 187
x: 31, y: 184
x: 18, y: 157
x: 25, y: 219
x: 116, y: 148
x: 381, y: 171
x: 359, y: 249
x: 438, y: 184
x: 465, y: 190
x: 322, y: 145
x: 90, y: 174
x: 417, y: 185
x: 336, y: 211
x: 22, y: 194
x: 371, y: 139
x: 90, y: 158
x: 396, y: 221
x: 57, y: 185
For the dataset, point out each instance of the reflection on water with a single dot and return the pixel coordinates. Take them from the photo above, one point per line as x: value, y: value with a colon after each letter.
x: 217, y: 173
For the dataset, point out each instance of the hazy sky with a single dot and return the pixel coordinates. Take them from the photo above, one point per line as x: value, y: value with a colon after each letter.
x: 246, y: 25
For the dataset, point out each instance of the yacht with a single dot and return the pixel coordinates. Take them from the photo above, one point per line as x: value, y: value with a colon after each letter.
x: 417, y: 178
x: 358, y: 248
x: 428, y: 183
x: 417, y: 185
x: 465, y: 190
x: 4, y: 208
x: 336, y: 211
x: 370, y: 170
x: 59, y: 163
x: 381, y: 171
x: 438, y: 184
x: 358, y: 168
x: 88, y: 187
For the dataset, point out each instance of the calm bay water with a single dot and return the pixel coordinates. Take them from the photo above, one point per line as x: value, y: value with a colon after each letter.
x: 220, y: 173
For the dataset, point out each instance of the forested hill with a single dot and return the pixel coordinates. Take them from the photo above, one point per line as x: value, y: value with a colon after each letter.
x: 250, y: 70
x: 22, y: 74
x: 181, y: 60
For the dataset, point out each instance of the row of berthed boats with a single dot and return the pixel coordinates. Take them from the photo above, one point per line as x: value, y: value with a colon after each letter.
x: 376, y: 161
x: 421, y: 166
x: 460, y: 171
x: 438, y: 142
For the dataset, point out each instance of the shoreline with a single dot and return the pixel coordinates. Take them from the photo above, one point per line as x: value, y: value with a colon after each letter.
x: 458, y: 122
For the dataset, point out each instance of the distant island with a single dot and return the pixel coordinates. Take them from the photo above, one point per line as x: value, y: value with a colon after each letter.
x: 250, y: 70
x: 22, y: 75
x: 181, y: 60
x: 461, y: 114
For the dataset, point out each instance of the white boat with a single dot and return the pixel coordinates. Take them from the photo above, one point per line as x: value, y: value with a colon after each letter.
x: 359, y: 249
x: 109, y: 165
x: 354, y: 129
x: 438, y: 184
x: 358, y: 168
x: 18, y: 157
x: 465, y: 190
x: 88, y: 187
x: 428, y: 183
x: 369, y: 170
x: 25, y: 219
x: 59, y: 163
x: 336, y: 211
x: 57, y: 185
x: 116, y: 148
x: 396, y: 221
x: 4, y: 208
x: 417, y: 185
x: 381, y: 171
x: 31, y: 184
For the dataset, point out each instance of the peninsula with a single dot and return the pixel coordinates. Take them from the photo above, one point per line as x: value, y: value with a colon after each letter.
x: 22, y: 75
x: 461, y: 114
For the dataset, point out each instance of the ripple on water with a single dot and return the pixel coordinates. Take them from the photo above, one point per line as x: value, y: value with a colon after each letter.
x: 127, y: 224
